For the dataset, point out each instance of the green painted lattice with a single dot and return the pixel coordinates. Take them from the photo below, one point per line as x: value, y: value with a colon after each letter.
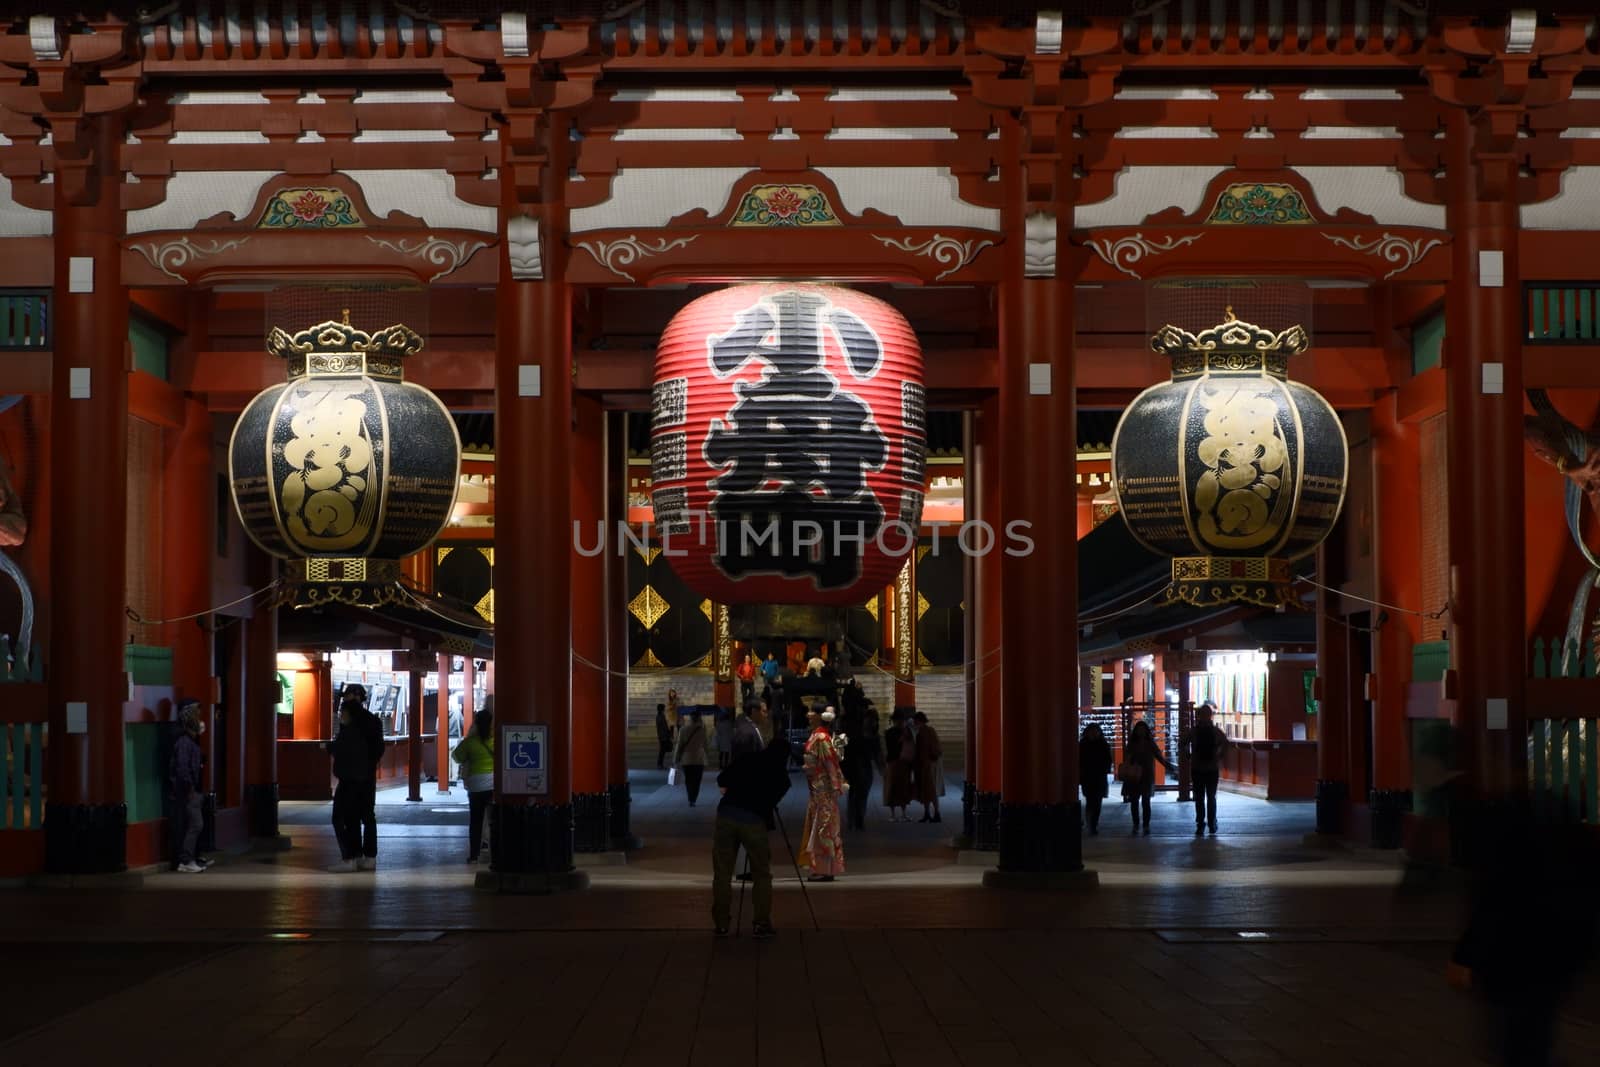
x: 1563, y: 314
x: 1564, y: 747
x: 24, y: 318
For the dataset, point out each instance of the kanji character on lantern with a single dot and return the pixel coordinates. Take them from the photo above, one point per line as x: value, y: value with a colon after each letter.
x: 792, y: 417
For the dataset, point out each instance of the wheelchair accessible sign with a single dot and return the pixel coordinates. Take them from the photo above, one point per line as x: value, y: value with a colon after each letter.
x: 525, y: 749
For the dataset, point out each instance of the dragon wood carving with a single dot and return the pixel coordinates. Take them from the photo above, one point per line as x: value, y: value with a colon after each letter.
x: 1575, y: 453
x: 13, y: 530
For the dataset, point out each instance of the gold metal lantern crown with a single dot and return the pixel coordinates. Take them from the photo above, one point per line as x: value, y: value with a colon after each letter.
x: 337, y: 348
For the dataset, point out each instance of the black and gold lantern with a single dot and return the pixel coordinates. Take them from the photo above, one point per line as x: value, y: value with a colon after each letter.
x: 347, y: 468
x: 1230, y: 468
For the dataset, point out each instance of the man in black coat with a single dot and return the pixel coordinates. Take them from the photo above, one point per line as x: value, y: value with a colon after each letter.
x: 752, y: 785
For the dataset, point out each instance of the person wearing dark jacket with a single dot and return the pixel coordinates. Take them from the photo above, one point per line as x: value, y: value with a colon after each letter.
x: 1206, y: 745
x: 751, y: 787
x: 861, y: 755
x: 372, y: 729
x: 663, y: 737
x: 185, y: 776
x: 1139, y: 758
x: 1094, y: 765
x: 353, y: 765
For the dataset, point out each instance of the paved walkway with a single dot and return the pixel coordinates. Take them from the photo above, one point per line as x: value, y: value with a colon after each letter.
x: 1250, y: 948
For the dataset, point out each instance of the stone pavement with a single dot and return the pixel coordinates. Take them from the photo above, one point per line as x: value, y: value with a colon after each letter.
x: 858, y: 997
x: 1246, y: 949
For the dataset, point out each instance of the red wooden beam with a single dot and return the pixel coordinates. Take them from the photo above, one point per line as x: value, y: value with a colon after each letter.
x: 1422, y: 397
x: 153, y: 400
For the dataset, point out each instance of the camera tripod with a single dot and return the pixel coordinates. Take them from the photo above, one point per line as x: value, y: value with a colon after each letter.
x: 738, y: 926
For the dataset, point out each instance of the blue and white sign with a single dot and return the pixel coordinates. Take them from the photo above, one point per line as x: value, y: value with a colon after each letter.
x: 524, y: 752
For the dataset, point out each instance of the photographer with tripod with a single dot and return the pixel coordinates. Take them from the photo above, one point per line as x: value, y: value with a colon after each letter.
x: 752, y: 785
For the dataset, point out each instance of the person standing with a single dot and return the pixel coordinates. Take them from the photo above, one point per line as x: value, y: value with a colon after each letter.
x: 900, y: 752
x: 372, y: 729
x: 475, y: 753
x: 746, y: 672
x: 1094, y: 765
x: 1138, y: 772
x: 860, y: 756
x: 929, y: 777
x: 663, y: 737
x: 823, y: 848
x: 752, y: 785
x: 769, y: 669
x: 690, y: 755
x: 185, y: 784
x: 352, y: 765
x: 1207, y: 745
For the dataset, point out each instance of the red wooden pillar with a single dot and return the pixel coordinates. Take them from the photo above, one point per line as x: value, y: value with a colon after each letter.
x: 616, y: 629
x: 442, y: 725
x: 419, y: 667
x: 1333, y: 703
x: 469, y: 694
x: 1483, y: 426
x: 586, y: 451
x: 1397, y: 544
x: 533, y: 529
x: 261, y: 711
x: 188, y: 545
x: 1040, y: 813
x: 87, y: 815
x: 983, y: 472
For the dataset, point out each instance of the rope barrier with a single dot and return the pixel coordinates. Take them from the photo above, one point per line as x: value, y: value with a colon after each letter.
x: 1376, y: 603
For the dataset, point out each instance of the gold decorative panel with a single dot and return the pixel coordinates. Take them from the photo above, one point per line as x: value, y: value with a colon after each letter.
x: 647, y: 607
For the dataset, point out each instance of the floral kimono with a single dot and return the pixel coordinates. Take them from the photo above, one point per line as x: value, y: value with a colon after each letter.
x: 823, y: 848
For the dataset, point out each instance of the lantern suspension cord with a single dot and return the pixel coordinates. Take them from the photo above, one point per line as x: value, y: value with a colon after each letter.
x: 1123, y: 611
x: 1375, y: 603
x: 136, y: 617
x: 430, y: 609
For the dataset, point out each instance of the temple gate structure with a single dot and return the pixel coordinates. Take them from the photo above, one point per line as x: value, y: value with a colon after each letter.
x: 547, y: 184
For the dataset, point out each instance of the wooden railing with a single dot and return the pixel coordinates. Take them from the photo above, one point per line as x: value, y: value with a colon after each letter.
x: 24, y: 319
x: 1562, y: 314
x: 22, y: 801
x: 1564, y: 731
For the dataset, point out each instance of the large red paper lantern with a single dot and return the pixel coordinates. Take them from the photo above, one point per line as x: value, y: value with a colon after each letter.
x: 788, y: 444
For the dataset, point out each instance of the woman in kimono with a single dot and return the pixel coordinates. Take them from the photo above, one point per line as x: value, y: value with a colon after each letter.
x: 823, y: 850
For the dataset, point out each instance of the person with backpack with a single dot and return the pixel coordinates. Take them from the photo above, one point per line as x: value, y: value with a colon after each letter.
x: 1206, y: 744
x: 752, y: 785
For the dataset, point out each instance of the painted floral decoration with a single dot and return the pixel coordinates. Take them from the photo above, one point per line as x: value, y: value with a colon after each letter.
x: 785, y: 205
x: 305, y: 208
x: 309, y: 206
x: 1259, y: 204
